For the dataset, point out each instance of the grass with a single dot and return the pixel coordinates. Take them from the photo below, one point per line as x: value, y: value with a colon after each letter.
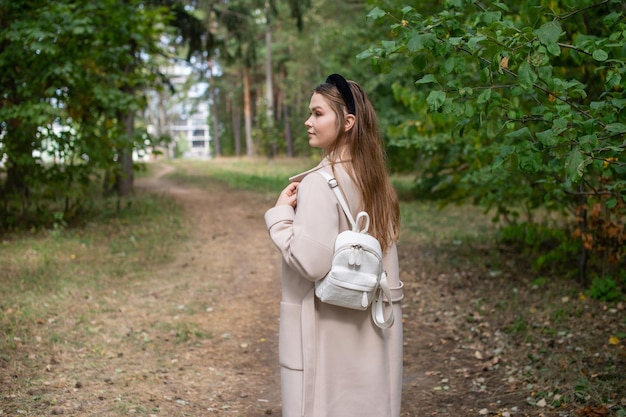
x: 264, y: 176
x: 43, y: 270
x: 426, y: 222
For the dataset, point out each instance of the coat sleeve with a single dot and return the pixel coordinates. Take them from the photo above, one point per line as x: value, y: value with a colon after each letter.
x: 306, y: 236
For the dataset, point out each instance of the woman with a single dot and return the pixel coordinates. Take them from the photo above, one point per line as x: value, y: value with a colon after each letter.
x: 334, y: 361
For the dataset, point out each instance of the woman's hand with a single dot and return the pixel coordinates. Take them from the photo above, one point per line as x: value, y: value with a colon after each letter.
x: 288, y: 195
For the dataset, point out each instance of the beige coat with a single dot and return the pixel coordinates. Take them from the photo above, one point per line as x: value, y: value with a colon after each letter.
x: 334, y: 361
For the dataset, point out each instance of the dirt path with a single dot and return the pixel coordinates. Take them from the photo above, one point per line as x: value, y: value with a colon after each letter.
x: 222, y: 293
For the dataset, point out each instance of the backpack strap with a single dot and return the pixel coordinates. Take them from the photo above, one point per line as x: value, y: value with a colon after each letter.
x: 332, y: 183
x: 378, y: 313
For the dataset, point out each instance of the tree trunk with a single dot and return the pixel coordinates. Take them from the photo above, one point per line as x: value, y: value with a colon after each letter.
x: 269, y: 86
x: 582, y: 223
x: 247, y: 111
x: 288, y: 134
x: 283, y: 107
x: 124, y: 176
x: 236, y: 117
x: 217, y: 145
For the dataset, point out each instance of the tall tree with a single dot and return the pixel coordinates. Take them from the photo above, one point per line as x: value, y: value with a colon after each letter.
x: 269, y: 72
x: 71, y: 74
x: 215, y: 124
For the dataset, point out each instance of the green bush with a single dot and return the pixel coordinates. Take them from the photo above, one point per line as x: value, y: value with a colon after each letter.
x: 548, y: 249
x: 606, y: 289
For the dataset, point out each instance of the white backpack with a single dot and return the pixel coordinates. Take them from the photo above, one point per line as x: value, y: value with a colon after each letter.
x: 356, y: 278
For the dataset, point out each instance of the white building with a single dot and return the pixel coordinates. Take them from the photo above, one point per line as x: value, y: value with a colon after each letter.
x: 185, y: 114
x: 191, y: 132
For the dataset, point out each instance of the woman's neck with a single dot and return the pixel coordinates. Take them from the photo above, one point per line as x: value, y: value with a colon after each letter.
x: 340, y: 154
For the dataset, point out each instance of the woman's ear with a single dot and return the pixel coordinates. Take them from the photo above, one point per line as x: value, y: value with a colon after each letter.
x: 349, y: 122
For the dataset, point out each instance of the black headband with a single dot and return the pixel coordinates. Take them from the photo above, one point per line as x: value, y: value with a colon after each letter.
x: 344, y: 89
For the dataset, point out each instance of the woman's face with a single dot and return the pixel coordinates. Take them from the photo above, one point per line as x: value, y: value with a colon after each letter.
x: 321, y: 124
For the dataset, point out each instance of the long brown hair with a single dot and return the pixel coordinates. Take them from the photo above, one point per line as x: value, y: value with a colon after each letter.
x: 368, y: 168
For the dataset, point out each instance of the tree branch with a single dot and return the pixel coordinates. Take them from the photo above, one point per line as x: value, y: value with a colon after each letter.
x: 577, y: 49
x: 574, y: 12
